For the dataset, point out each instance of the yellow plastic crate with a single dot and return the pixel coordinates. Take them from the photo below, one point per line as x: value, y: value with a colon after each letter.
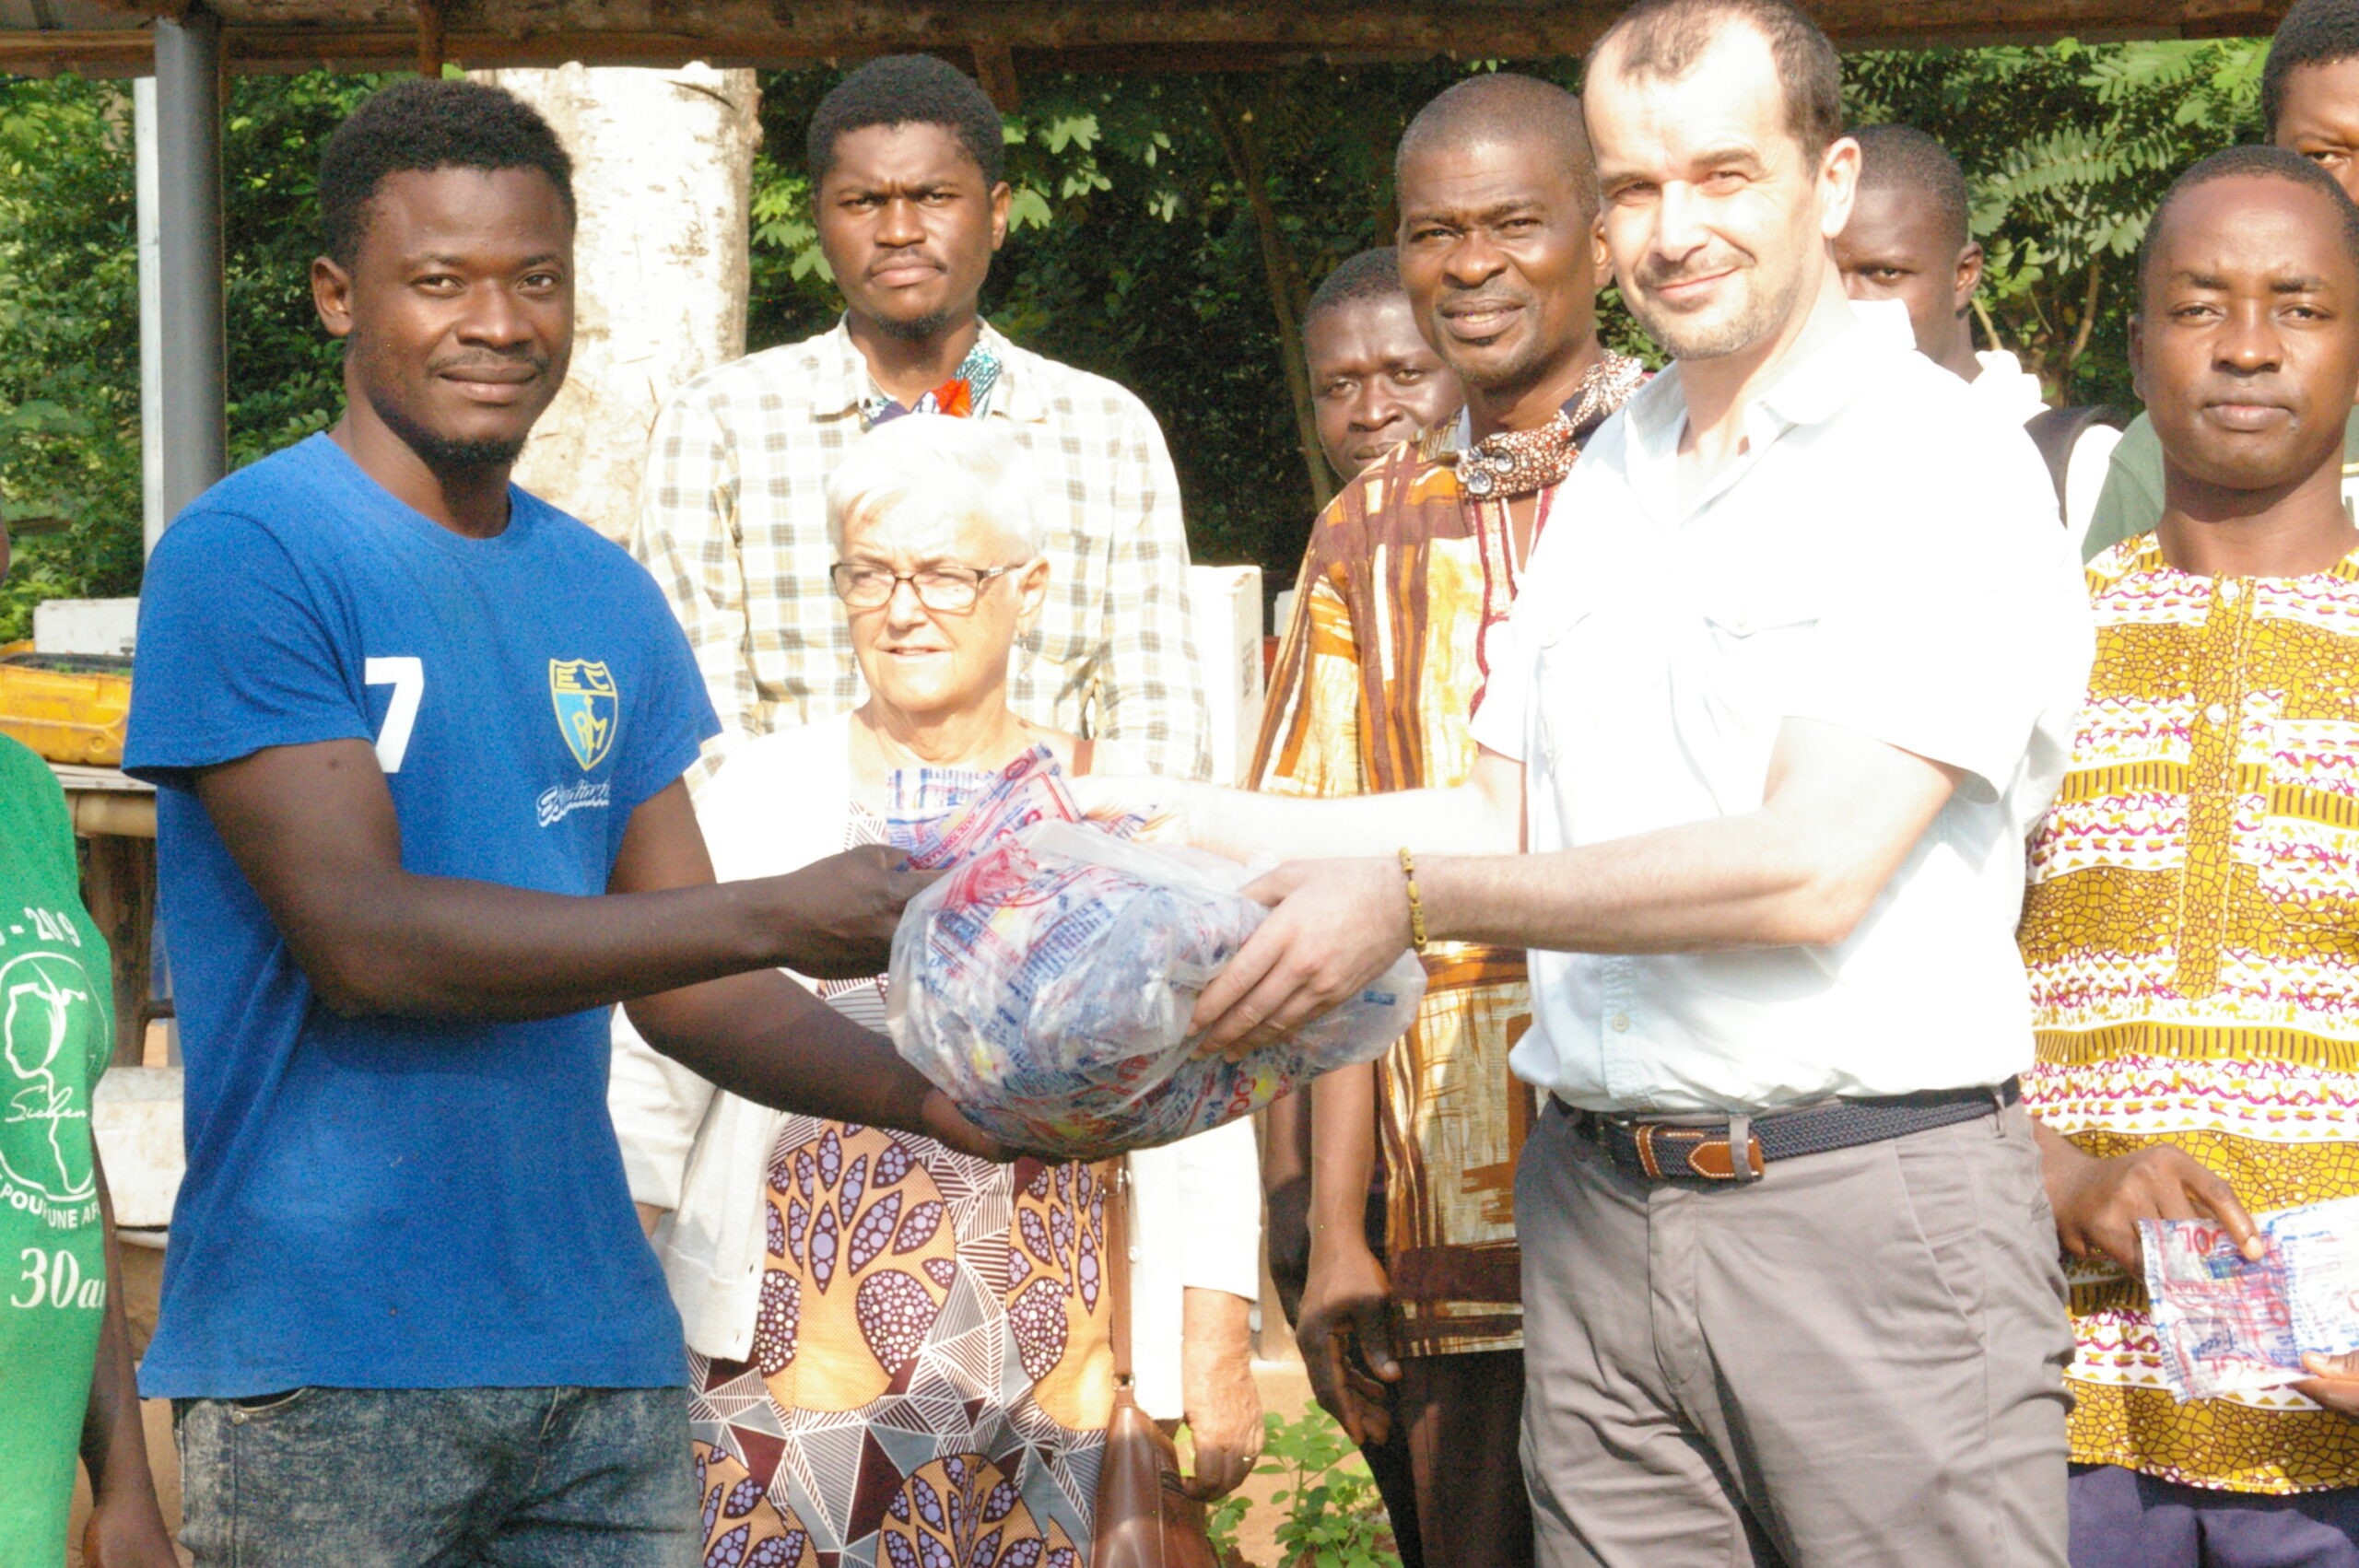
x: 69, y: 708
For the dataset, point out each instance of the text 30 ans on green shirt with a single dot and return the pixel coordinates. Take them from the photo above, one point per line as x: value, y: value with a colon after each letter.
x: 56, y: 1033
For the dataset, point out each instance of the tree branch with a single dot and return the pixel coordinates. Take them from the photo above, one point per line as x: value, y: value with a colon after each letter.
x: 2088, y: 324
x: 1990, y: 327
x: 1242, y: 144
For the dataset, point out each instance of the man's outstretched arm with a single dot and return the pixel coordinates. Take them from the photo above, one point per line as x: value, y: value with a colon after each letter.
x: 1840, y: 814
x: 313, y: 829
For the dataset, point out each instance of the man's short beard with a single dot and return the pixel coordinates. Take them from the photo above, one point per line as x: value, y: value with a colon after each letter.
x: 918, y: 329
x: 450, y: 454
x: 1525, y: 371
x: 446, y: 454
x: 1761, y: 317
x: 1539, y: 361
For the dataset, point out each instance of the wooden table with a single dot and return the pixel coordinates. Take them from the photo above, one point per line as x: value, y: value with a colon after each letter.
x: 114, y: 817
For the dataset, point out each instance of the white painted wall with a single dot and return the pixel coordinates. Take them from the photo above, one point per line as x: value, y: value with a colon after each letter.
x: 86, y: 626
x: 1225, y: 604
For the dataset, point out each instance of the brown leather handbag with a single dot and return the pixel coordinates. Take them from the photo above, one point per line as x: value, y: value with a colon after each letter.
x: 1145, y: 1520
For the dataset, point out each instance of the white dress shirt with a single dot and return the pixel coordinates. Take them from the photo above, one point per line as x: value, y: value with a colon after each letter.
x: 780, y: 803
x: 1884, y: 557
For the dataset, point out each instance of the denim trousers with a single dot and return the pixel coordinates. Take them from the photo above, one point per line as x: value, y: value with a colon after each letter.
x: 439, y: 1478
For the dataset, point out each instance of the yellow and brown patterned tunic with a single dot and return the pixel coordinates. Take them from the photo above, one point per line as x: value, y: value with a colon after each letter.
x: 1405, y: 583
x: 2193, y: 937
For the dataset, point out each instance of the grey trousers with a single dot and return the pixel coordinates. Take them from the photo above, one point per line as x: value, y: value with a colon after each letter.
x: 1855, y: 1362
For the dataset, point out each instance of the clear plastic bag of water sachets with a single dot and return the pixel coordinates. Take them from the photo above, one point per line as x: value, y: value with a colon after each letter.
x: 1045, y: 985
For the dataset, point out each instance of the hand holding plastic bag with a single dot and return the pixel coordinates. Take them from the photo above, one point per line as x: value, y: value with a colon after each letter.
x: 1046, y: 986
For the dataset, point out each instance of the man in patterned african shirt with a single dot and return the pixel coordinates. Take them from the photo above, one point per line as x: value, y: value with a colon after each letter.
x: 2192, y: 926
x: 1410, y: 571
x: 1374, y: 382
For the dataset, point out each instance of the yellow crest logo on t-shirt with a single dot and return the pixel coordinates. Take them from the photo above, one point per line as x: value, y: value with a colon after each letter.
x: 586, y: 707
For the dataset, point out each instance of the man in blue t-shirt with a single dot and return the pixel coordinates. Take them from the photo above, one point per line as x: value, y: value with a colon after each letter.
x: 419, y: 738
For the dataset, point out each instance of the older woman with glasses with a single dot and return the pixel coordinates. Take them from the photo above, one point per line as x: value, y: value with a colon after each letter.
x: 897, y: 1351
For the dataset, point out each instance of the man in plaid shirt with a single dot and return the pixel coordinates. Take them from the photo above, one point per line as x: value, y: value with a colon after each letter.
x: 905, y: 159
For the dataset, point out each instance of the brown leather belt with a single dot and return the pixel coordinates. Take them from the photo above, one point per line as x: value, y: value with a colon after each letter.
x: 1700, y: 1148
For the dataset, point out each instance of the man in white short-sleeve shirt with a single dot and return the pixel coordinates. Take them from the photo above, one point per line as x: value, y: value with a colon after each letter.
x: 1814, y: 580
x: 1780, y: 700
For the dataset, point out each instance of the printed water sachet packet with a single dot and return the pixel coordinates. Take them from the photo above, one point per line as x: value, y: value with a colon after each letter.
x: 2228, y: 1324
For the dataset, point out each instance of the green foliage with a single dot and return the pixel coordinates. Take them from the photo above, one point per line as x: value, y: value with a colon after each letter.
x: 1222, y: 1521
x: 69, y: 315
x: 2067, y: 149
x: 286, y: 375
x: 1333, y: 1516
x: 69, y: 344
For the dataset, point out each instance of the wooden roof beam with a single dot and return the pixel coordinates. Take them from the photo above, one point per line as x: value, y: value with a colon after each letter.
x: 433, y: 37
x: 1164, y: 35
x: 995, y: 68
x: 1460, y: 26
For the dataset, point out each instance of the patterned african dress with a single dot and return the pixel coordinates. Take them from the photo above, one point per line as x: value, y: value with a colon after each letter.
x: 931, y: 1375
x: 2193, y: 937
x: 1406, y: 580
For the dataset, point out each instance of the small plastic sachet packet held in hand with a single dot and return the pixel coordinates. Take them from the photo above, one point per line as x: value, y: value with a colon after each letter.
x: 1046, y: 984
x: 2228, y: 1324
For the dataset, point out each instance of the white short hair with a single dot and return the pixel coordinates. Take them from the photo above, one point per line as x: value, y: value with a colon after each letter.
x: 962, y: 468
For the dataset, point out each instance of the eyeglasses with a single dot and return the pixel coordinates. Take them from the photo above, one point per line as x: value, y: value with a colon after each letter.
x: 951, y: 590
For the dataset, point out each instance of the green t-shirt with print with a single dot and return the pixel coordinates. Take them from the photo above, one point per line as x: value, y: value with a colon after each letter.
x: 56, y: 1033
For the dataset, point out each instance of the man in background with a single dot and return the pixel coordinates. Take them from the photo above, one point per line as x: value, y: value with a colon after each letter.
x: 905, y: 157
x: 1374, y: 384
x: 2309, y: 97
x: 2173, y: 936
x: 1909, y: 239
x: 1410, y: 572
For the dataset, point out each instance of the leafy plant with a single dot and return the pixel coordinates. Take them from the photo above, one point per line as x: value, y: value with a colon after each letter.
x: 69, y: 315
x: 1334, y: 1517
x: 1222, y: 1521
x: 2067, y: 149
x: 69, y: 344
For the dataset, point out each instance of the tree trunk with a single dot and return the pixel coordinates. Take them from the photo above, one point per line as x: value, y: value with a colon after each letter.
x: 663, y: 175
x: 1243, y: 145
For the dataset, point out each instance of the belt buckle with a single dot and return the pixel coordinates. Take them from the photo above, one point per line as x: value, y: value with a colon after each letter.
x: 1667, y: 1153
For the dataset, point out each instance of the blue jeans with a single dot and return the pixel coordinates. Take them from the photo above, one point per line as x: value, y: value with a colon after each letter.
x: 2122, y: 1519
x: 439, y: 1478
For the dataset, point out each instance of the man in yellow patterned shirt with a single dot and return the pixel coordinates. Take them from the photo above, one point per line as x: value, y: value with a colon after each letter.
x: 1411, y: 571
x: 2191, y: 930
